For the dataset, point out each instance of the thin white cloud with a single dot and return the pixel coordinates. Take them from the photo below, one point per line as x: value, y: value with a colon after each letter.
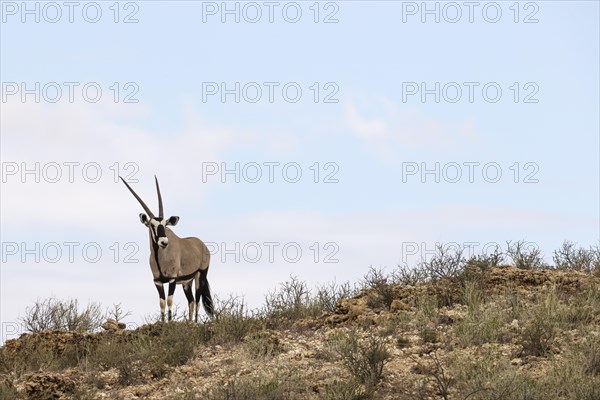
x: 102, y: 134
x: 385, y: 126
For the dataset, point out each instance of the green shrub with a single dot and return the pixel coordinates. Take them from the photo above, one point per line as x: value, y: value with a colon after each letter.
x: 277, y: 386
x: 233, y: 321
x: 525, y: 255
x: 364, y: 358
x: 490, y: 378
x: 263, y: 344
x: 328, y: 295
x: 8, y: 390
x: 436, y: 377
x: 486, y: 326
x: 148, y: 353
x: 541, y: 323
x: 290, y: 302
x: 483, y: 323
x: 54, y: 314
x: 294, y: 301
x: 28, y: 358
x: 379, y: 285
x: 590, y: 352
x: 402, y: 342
x: 447, y: 263
x: 426, y: 318
x: 570, y: 257
x: 405, y: 275
x: 574, y: 375
x: 478, y: 266
x: 345, y: 390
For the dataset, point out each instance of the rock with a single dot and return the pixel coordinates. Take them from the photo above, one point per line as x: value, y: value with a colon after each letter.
x: 48, y: 385
x: 348, y: 309
x: 398, y: 305
x: 365, y: 321
x: 516, y: 361
x: 445, y: 319
x: 112, y: 325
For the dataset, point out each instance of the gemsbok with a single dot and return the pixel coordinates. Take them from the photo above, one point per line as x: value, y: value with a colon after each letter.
x: 175, y: 260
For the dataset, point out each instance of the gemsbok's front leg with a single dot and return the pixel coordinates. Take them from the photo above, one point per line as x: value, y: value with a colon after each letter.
x: 172, y: 286
x: 161, y: 294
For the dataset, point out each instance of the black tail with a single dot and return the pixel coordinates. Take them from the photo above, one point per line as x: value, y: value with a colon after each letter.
x: 207, y: 302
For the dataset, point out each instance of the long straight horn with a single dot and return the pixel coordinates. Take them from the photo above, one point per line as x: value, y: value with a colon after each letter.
x: 140, y: 200
x: 160, y: 207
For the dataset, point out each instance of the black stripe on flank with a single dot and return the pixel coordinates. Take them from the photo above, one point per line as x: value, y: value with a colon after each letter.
x: 186, y: 277
x: 178, y: 279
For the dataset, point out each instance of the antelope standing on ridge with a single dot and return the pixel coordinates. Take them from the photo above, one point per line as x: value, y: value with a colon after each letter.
x: 176, y: 260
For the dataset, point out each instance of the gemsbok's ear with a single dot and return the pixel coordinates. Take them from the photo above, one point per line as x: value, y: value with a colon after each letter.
x: 144, y: 219
x: 173, y: 220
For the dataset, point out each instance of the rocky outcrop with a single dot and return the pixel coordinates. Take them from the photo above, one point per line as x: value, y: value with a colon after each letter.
x: 49, y: 386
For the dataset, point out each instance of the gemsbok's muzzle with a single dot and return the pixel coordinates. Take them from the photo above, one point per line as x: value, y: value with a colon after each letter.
x: 161, y: 236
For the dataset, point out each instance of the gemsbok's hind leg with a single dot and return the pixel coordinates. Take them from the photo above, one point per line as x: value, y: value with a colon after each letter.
x: 197, y: 286
x: 187, y: 289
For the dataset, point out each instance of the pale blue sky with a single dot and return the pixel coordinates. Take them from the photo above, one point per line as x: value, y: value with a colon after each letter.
x: 370, y: 134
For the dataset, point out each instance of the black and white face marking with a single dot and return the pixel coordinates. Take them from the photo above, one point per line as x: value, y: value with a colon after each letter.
x: 157, y: 227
